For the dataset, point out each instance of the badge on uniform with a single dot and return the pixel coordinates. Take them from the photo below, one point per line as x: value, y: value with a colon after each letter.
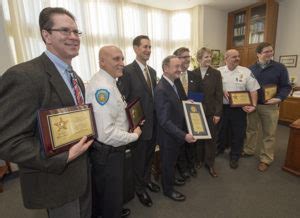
x: 102, y: 96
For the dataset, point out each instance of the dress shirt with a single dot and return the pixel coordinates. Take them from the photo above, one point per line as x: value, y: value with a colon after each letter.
x: 111, y: 120
x: 239, y: 79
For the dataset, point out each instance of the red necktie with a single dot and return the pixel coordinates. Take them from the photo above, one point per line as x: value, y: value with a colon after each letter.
x: 76, y: 88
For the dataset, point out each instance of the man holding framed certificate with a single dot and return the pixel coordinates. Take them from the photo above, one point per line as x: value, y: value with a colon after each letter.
x: 236, y: 78
x: 275, y: 87
x: 187, y: 83
x: 60, y: 183
x: 139, y: 81
x: 171, y: 132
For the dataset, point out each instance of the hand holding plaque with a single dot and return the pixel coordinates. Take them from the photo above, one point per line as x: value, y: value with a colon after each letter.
x: 135, y: 114
x: 240, y: 99
x: 269, y: 91
x: 63, y: 127
x: 196, y: 120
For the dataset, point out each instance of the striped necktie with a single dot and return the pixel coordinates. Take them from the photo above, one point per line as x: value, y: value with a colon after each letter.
x: 76, y: 88
x: 148, y: 79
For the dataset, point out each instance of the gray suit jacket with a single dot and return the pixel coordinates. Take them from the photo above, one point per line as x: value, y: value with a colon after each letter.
x: 133, y: 85
x: 24, y: 89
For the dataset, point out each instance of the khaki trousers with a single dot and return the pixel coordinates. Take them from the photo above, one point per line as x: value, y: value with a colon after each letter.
x: 264, y: 118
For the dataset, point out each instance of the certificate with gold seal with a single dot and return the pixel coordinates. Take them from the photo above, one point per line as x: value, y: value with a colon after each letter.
x: 63, y: 127
x: 195, y: 120
x: 135, y: 113
x: 240, y: 99
x: 269, y: 91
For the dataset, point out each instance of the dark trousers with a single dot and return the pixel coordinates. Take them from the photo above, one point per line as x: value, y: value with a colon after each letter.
x: 168, y: 155
x: 143, y: 154
x: 206, y: 149
x: 107, y: 182
x: 186, y: 157
x: 236, y: 119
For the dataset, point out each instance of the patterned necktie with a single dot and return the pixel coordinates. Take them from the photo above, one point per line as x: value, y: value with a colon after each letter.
x: 184, y: 82
x: 76, y: 88
x: 148, y: 79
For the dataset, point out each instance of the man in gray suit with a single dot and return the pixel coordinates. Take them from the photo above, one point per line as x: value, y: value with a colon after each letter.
x: 61, y: 183
x: 139, y: 81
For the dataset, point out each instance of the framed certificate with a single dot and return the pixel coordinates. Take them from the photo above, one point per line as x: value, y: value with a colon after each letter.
x: 135, y: 113
x: 269, y: 91
x: 63, y: 127
x: 240, y: 99
x: 196, y: 120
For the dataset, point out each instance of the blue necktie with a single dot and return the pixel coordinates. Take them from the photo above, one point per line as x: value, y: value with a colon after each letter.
x: 175, y: 89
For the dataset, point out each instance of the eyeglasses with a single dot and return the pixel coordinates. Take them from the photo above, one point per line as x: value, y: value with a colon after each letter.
x: 184, y: 57
x: 67, y: 31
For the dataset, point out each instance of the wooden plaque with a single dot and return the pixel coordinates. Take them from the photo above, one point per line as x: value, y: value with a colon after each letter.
x: 63, y: 127
x: 240, y: 99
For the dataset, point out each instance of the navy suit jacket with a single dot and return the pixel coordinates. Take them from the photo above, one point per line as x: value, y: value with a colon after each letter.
x: 193, y: 85
x: 170, y: 115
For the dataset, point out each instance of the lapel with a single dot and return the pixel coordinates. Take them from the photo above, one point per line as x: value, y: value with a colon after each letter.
x: 57, y: 82
x: 170, y: 89
x: 206, y: 76
x: 141, y: 77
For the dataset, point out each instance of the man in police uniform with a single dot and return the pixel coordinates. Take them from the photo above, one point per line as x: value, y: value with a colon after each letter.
x: 107, y: 153
x: 235, y: 78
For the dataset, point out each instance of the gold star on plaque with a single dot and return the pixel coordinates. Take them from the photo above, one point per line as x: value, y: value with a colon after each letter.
x: 61, y: 124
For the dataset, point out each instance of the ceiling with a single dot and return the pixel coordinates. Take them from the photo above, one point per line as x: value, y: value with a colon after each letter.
x: 225, y: 5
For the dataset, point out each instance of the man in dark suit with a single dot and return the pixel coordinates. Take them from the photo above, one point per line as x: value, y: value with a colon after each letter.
x: 171, y: 124
x: 139, y: 81
x: 188, y: 82
x: 60, y: 184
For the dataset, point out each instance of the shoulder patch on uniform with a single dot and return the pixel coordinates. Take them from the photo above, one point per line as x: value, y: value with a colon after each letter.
x: 102, y: 96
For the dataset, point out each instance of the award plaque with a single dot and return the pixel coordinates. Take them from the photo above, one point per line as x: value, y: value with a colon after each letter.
x: 196, y: 120
x: 135, y: 113
x: 63, y: 127
x: 269, y: 91
x: 240, y: 99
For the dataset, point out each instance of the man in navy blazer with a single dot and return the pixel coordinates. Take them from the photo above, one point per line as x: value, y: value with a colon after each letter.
x: 171, y: 124
x: 139, y: 81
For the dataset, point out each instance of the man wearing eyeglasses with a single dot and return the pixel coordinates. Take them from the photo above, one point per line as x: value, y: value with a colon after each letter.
x: 188, y: 82
x: 61, y: 183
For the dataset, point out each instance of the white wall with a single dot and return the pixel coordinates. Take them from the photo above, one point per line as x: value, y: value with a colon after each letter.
x: 214, y: 28
x: 6, y: 59
x: 288, y: 33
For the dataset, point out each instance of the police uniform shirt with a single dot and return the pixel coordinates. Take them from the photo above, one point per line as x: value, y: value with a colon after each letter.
x: 109, y: 110
x: 239, y: 79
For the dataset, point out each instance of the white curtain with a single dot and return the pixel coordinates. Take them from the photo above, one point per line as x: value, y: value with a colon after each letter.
x: 102, y: 22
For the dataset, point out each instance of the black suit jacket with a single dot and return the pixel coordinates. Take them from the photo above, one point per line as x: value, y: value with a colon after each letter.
x: 169, y: 114
x: 211, y: 86
x: 133, y: 85
x: 24, y: 89
x: 193, y: 85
